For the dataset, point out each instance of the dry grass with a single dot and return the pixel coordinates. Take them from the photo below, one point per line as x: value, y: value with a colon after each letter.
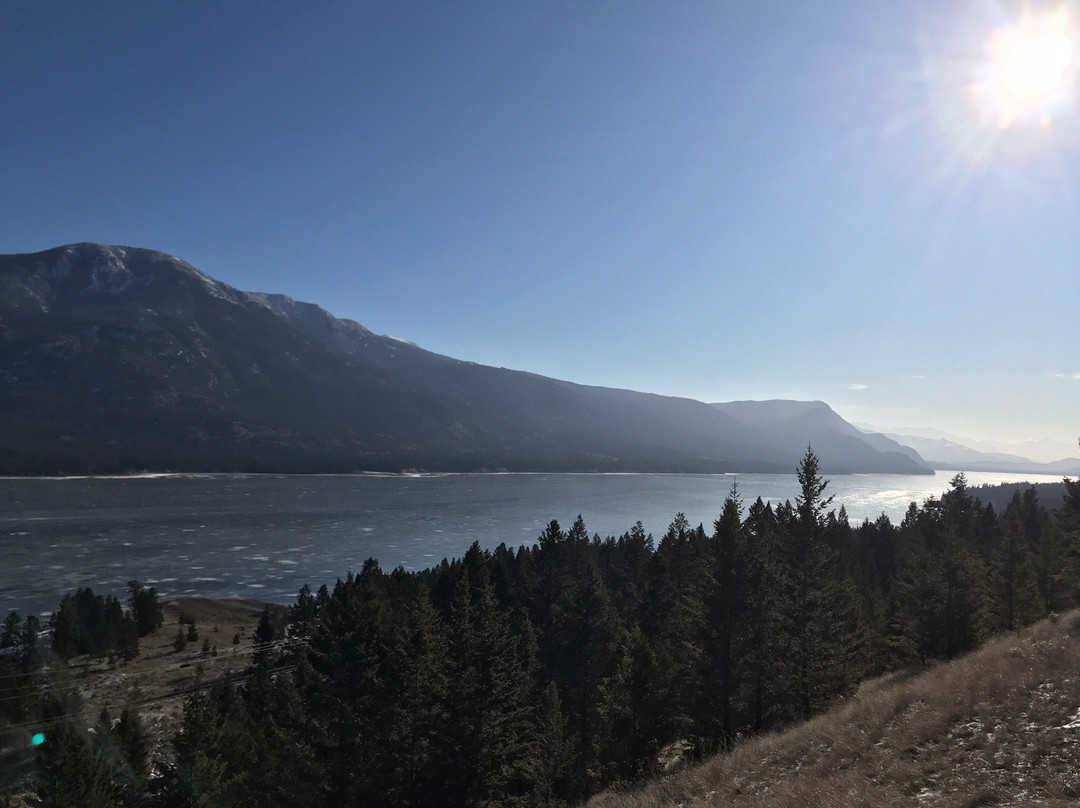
x: 159, y: 673
x: 1000, y: 727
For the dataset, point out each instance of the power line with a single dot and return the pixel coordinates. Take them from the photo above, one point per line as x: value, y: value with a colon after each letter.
x: 23, y: 691
x: 178, y: 694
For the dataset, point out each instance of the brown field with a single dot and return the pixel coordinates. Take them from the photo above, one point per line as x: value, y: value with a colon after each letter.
x: 1000, y: 727
x: 159, y: 678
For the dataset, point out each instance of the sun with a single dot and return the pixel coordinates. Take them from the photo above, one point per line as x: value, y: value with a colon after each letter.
x: 1036, y: 65
x: 1002, y: 86
x: 1033, y: 67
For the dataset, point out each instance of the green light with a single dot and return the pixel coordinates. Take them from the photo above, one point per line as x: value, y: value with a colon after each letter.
x: 38, y: 739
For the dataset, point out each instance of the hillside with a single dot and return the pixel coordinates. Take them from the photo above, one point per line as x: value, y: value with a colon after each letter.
x: 116, y: 359
x: 1000, y: 727
x: 794, y: 424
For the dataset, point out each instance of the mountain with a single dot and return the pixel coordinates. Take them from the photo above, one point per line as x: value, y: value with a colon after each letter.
x: 794, y: 424
x: 951, y: 452
x: 116, y: 359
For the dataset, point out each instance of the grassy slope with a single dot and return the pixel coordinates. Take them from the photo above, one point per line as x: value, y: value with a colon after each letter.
x: 1000, y: 727
x: 159, y: 673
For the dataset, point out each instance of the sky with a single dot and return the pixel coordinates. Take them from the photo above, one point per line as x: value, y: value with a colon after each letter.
x: 721, y: 200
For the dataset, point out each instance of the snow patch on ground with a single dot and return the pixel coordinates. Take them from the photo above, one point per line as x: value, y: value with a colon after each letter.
x: 1074, y: 723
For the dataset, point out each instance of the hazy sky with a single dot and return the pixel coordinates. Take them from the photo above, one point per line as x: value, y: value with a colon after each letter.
x: 825, y: 200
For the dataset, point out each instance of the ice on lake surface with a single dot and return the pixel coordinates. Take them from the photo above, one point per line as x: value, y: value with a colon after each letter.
x: 265, y: 535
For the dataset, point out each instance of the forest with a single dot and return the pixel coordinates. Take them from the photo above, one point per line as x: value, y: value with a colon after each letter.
x: 538, y: 675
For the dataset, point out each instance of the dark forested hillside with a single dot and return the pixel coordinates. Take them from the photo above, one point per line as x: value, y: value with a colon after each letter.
x: 537, y: 676
x: 117, y: 359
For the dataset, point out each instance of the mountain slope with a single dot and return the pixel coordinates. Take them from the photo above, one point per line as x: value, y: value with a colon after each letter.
x: 945, y: 450
x: 117, y: 359
x: 794, y: 424
x: 998, y: 727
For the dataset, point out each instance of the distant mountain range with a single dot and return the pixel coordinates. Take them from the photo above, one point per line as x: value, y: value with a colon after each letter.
x: 941, y: 450
x: 116, y: 359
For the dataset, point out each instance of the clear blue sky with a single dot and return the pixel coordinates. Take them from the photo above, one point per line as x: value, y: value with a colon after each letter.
x: 718, y: 200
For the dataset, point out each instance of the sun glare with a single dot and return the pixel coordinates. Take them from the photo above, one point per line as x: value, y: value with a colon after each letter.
x: 1033, y: 67
x: 1036, y: 65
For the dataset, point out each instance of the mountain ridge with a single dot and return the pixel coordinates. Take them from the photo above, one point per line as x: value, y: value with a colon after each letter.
x: 949, y: 453
x: 122, y: 359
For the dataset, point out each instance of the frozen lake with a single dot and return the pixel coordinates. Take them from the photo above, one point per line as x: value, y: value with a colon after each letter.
x: 264, y: 535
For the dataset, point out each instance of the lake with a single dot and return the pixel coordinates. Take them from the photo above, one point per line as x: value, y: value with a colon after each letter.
x: 262, y: 536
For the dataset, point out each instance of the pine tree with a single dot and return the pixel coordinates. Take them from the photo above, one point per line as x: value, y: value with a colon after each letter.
x: 493, y: 738
x: 917, y: 605
x: 348, y: 655
x: 145, y: 608
x: 1067, y: 522
x: 585, y: 624
x: 674, y: 619
x: 942, y: 601
x: 73, y: 771
x: 9, y: 633
x: 65, y: 629
x: 632, y: 699
x: 552, y: 754
x: 725, y: 601
x: 134, y: 742
x: 303, y: 613
x: 262, y: 640
x: 418, y: 685
x: 128, y: 641
x: 819, y: 616
x: 213, y: 764
x: 1015, y: 582
x: 759, y: 638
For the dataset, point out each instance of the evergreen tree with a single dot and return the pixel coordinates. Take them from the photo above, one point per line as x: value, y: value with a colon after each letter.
x: 73, y: 771
x: 346, y: 691
x: 1015, y: 581
x: 632, y: 700
x: 674, y: 619
x: 552, y: 758
x: 128, y: 640
x: 942, y: 602
x: 419, y: 686
x: 917, y: 605
x: 279, y: 746
x: 758, y: 637
x: 725, y: 603
x: 1067, y: 522
x: 213, y: 765
x: 9, y: 632
x: 303, y: 613
x: 262, y: 640
x: 581, y: 625
x: 134, y: 742
x: 145, y: 608
x: 65, y: 629
x: 494, y: 741
x: 817, y: 607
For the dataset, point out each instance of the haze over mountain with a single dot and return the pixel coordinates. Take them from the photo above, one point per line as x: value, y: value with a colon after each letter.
x: 117, y: 359
x: 794, y: 424
x: 942, y: 450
